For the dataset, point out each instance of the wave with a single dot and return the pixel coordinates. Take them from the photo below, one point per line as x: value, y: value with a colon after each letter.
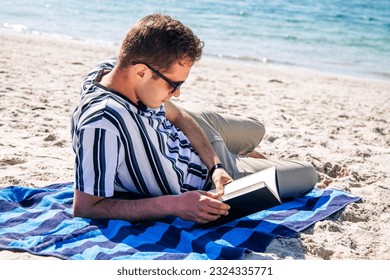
x: 19, y: 28
x: 22, y: 29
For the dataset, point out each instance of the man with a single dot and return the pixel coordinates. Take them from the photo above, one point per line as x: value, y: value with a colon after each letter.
x: 132, y: 142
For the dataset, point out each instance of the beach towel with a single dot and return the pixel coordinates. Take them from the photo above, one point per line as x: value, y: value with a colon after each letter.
x: 40, y: 221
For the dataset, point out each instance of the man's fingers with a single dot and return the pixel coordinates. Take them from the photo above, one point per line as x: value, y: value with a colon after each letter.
x: 215, y: 208
x: 210, y: 209
x: 207, y: 217
x: 218, y: 205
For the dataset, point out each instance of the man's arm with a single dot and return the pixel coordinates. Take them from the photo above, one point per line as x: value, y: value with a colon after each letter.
x: 194, y: 206
x: 199, y: 141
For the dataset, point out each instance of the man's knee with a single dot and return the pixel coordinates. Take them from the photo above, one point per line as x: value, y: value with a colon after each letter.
x: 296, y: 180
x: 258, y: 128
x: 249, y: 135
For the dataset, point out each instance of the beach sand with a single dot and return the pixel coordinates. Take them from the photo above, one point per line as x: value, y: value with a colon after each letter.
x: 338, y: 123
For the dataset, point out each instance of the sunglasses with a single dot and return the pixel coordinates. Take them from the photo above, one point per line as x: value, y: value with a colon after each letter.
x: 174, y: 85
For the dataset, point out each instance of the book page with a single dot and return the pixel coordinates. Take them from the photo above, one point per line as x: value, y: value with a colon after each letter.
x: 266, y: 176
x: 241, y: 191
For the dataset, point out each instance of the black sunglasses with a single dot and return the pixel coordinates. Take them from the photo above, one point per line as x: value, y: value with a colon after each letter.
x: 174, y: 85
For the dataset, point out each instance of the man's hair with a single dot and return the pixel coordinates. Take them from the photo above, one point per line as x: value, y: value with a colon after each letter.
x: 159, y: 41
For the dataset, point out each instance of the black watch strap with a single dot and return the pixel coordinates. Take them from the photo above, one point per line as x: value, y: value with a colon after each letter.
x: 217, y: 166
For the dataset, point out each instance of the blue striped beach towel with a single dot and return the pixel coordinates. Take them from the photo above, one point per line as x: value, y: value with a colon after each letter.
x: 39, y: 221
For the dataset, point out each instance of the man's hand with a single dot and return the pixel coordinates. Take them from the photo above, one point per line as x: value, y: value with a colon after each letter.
x: 220, y: 178
x: 199, y: 207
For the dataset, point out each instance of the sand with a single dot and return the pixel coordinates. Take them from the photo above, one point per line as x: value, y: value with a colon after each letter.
x: 338, y: 123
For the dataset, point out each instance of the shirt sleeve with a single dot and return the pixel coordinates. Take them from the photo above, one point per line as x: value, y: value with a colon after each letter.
x: 96, y: 161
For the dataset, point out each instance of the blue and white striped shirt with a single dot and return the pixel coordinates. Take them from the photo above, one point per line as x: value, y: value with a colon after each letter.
x: 126, y: 147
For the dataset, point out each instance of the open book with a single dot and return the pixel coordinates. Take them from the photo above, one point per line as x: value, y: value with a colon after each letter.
x: 249, y: 195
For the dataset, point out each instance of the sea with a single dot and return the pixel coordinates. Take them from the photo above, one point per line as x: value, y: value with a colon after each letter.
x: 335, y: 36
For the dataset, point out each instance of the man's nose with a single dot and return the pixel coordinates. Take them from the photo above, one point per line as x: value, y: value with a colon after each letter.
x: 176, y: 93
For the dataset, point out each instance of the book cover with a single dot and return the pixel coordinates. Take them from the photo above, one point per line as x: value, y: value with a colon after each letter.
x: 250, y: 194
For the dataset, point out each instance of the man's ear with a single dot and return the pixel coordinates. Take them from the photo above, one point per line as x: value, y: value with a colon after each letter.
x: 140, y: 70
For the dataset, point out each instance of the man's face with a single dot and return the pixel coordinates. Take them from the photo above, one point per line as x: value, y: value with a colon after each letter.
x: 157, y: 89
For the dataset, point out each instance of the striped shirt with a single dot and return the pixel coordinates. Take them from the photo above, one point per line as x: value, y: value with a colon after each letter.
x: 125, y: 147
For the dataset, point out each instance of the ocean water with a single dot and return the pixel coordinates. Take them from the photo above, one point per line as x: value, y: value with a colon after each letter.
x: 339, y: 36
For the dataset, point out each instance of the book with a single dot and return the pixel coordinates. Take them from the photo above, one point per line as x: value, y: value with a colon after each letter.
x: 249, y: 194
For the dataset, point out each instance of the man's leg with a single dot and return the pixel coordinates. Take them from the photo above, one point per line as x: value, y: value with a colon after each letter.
x: 240, y: 134
x: 295, y: 178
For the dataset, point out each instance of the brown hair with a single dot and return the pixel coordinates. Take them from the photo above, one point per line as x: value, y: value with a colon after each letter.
x: 159, y: 41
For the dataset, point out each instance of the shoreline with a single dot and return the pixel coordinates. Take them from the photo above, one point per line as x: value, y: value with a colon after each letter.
x: 227, y: 58
x: 340, y: 124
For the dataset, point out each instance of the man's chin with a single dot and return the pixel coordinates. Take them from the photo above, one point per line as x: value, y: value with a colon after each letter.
x: 151, y: 106
x: 154, y: 106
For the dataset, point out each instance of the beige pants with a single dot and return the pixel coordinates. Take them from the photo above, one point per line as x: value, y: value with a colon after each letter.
x: 231, y: 136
